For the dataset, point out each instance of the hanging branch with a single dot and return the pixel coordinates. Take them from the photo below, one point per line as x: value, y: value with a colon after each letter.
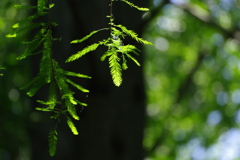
x: 117, y: 52
x: 49, y: 70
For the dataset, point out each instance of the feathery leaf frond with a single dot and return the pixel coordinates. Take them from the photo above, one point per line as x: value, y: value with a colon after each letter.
x: 72, y: 111
x: 24, y: 7
x: 115, y: 69
x: 68, y: 73
x: 87, y: 36
x: 37, y: 83
x: 41, y: 6
x: 52, y: 139
x: 77, y: 86
x: 52, y: 98
x: 133, y: 59
x: 32, y: 45
x: 79, y: 54
x: 133, y: 5
x: 72, y: 126
x: 134, y: 35
x: 49, y: 71
x: 43, y: 109
x: 106, y: 54
x: 81, y: 103
x: 128, y: 49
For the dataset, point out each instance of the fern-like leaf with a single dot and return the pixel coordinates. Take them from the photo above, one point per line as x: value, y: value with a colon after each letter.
x: 48, y: 103
x: 115, y: 69
x: 24, y: 7
x: 68, y: 73
x: 46, y: 67
x: 41, y: 6
x: 133, y: 35
x: 32, y: 46
x: 72, y: 111
x: 87, y: 36
x: 52, y: 95
x: 133, y: 5
x: 70, y: 103
x: 124, y: 64
x: 52, y: 139
x: 83, y: 52
x: 26, y: 26
x: 77, y: 86
x: 81, y: 103
x: 72, y: 126
x: 106, y: 54
x: 43, y: 109
x: 128, y: 49
x: 37, y: 83
x: 133, y: 59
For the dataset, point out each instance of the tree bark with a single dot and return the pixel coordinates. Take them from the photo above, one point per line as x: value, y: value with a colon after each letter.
x: 111, y: 126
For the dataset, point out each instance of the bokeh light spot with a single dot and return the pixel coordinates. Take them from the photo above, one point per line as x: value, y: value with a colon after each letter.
x: 222, y: 98
x: 214, y: 117
x: 161, y: 44
x: 13, y: 95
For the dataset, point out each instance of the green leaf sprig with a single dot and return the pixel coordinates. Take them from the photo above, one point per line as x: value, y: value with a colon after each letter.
x: 50, y: 72
x: 117, y: 52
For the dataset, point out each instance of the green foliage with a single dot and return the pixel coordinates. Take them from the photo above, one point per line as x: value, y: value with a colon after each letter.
x: 52, y: 139
x: 117, y: 52
x: 133, y: 35
x: 88, y: 36
x: 83, y: 52
x: 132, y: 5
x: 41, y: 6
x: 61, y: 100
x: 72, y: 126
x: 115, y: 68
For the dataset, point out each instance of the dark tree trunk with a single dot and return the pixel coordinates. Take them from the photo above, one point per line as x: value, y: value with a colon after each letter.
x: 111, y: 127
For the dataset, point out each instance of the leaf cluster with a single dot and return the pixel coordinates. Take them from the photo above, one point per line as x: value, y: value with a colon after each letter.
x: 117, y: 52
x: 61, y: 100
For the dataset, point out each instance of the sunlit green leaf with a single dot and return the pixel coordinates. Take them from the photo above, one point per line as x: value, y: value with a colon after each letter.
x: 72, y: 126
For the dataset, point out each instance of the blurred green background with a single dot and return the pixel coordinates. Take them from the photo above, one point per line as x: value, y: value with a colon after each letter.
x: 191, y: 76
x: 14, y: 105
